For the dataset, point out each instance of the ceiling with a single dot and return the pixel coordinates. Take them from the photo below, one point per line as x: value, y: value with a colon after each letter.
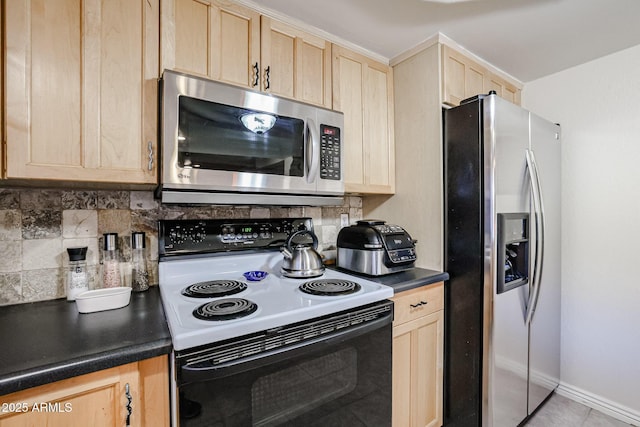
x: 526, y: 39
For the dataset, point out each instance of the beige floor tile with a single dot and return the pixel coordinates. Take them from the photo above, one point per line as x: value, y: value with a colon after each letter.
x: 560, y: 411
x: 598, y: 419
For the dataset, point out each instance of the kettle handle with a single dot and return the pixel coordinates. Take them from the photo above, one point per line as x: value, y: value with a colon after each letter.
x: 300, y: 232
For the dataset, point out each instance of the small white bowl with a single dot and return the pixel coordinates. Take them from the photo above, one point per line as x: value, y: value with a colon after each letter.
x: 103, y: 299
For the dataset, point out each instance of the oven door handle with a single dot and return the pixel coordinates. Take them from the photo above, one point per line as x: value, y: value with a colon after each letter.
x: 191, y: 374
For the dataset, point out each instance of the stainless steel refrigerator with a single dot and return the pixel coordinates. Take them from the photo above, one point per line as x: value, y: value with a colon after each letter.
x: 502, y: 253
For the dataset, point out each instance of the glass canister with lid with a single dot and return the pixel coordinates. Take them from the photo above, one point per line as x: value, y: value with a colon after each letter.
x: 139, y: 271
x: 111, y: 275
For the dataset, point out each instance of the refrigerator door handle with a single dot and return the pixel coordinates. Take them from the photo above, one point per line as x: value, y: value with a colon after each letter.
x: 538, y: 257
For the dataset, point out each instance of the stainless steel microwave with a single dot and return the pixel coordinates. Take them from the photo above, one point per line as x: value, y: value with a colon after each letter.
x: 223, y: 144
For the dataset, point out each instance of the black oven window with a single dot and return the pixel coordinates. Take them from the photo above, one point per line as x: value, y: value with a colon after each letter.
x: 276, y: 397
x: 221, y: 137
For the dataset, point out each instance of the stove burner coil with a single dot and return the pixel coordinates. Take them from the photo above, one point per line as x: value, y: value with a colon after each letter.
x: 214, y: 289
x: 225, y: 309
x: 330, y: 287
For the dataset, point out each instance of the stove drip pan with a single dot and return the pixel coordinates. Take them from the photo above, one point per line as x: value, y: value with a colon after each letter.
x: 225, y: 309
x: 330, y: 287
x: 214, y: 289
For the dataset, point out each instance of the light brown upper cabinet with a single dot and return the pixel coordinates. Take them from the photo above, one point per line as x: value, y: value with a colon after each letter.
x: 3, y: 148
x: 228, y: 42
x: 503, y: 88
x: 81, y: 89
x: 295, y: 64
x: 363, y: 91
x: 217, y: 40
x: 463, y: 78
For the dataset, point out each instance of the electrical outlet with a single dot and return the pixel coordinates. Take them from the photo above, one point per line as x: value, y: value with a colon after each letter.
x: 344, y: 220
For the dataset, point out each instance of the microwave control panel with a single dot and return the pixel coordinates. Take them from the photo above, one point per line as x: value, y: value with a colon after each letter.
x: 329, y: 152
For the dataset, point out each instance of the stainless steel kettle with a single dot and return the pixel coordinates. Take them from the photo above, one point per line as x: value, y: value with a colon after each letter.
x: 301, y: 261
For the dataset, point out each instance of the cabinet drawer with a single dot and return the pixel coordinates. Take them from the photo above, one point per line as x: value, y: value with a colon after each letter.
x: 415, y: 303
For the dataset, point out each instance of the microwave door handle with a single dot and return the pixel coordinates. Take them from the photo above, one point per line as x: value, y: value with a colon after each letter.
x: 312, y: 145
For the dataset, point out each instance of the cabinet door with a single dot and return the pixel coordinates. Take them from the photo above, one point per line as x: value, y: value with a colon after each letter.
x: 363, y: 91
x: 96, y: 399
x: 295, y: 64
x: 215, y: 39
x: 82, y: 89
x: 154, y: 386
x: 503, y: 88
x: 417, y: 372
x: 461, y: 77
x: 3, y: 148
x: 402, y: 378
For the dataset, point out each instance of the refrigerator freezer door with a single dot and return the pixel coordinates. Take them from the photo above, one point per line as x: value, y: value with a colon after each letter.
x: 464, y: 248
x: 544, y: 352
x: 508, y: 354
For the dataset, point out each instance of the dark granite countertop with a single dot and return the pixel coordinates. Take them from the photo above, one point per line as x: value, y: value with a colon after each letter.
x: 48, y: 341
x: 408, y: 279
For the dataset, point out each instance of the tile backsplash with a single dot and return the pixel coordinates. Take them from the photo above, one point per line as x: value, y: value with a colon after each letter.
x: 38, y: 225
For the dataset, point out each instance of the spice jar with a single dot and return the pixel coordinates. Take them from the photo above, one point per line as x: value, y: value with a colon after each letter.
x: 77, y: 276
x: 139, y: 272
x: 110, y: 263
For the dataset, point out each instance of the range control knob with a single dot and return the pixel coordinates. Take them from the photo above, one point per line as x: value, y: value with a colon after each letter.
x: 197, y: 234
x: 176, y: 236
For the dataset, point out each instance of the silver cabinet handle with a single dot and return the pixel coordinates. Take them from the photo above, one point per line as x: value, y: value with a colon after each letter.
x: 150, y: 148
x: 267, y: 73
x: 256, y: 69
x: 538, y: 257
x: 129, y: 408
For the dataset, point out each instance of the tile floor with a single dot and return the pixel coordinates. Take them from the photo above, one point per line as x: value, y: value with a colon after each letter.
x: 560, y: 411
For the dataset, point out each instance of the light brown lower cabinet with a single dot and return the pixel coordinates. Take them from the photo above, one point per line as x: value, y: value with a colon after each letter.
x: 418, y: 331
x: 97, y: 399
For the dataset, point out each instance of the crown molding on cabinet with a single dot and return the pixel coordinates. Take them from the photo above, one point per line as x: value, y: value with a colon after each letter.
x: 430, y: 41
x: 444, y: 39
x: 313, y: 30
x: 425, y: 44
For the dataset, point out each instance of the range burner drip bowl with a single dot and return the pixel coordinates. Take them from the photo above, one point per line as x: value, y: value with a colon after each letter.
x: 329, y: 287
x: 214, y: 289
x: 225, y: 309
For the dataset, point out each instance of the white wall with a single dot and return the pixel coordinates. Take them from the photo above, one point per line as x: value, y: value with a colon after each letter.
x: 598, y: 107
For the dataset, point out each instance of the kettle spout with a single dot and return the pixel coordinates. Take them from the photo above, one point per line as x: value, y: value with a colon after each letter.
x: 286, y: 252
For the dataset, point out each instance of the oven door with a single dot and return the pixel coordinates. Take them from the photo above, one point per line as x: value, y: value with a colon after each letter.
x: 339, y: 377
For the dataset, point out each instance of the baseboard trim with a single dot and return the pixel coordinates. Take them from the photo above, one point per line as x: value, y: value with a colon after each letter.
x: 599, y: 403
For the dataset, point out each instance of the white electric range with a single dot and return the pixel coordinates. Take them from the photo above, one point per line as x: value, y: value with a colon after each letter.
x: 241, y: 342
x: 208, y: 299
x: 249, y: 306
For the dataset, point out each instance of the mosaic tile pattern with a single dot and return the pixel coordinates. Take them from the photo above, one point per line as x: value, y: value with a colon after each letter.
x: 38, y: 225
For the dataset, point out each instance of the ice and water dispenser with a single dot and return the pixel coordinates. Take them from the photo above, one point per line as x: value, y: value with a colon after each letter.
x: 513, y: 250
